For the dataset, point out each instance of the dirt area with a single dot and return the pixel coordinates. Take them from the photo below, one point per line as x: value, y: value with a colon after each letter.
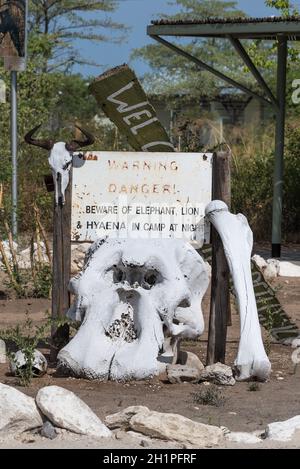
x: 243, y: 409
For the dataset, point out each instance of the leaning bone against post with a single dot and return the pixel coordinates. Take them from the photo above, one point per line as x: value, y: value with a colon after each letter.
x: 60, y: 158
x: 131, y: 296
x: 237, y: 239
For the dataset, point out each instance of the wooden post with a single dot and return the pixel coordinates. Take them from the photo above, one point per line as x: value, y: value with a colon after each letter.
x: 220, y: 296
x: 61, y: 270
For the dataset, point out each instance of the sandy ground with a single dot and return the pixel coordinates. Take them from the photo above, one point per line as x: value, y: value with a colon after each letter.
x: 243, y: 409
x: 127, y: 442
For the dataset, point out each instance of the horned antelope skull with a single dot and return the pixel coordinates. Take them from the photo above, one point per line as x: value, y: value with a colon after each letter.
x: 60, y: 158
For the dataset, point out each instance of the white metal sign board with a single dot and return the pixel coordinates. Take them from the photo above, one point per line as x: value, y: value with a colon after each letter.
x: 141, y: 195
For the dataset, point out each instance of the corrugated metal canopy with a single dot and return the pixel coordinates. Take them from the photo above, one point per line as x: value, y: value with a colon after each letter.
x: 277, y: 28
x: 243, y: 28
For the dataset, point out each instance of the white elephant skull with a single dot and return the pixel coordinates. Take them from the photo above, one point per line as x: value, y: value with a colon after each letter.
x: 131, y: 297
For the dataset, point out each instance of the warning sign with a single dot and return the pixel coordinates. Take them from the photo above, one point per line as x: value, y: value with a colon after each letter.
x: 141, y: 195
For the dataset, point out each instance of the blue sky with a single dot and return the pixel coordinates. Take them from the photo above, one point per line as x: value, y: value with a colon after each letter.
x: 137, y: 14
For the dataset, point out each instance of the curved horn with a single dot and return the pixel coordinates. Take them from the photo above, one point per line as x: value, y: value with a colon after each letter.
x: 46, y: 144
x: 76, y: 144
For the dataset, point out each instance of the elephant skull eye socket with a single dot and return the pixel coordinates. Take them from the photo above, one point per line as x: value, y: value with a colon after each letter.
x: 135, y: 276
x: 118, y: 274
x: 150, y: 278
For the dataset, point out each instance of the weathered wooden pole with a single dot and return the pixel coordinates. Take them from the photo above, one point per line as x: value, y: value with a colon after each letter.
x: 220, y: 296
x: 61, y: 271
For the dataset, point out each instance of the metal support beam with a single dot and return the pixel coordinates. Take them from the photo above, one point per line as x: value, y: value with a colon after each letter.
x: 279, y: 146
x: 258, y: 77
x: 14, y: 151
x: 268, y: 30
x: 210, y: 69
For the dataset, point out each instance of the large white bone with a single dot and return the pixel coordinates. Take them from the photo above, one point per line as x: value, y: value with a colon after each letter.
x: 60, y: 160
x: 126, y: 314
x: 237, y: 239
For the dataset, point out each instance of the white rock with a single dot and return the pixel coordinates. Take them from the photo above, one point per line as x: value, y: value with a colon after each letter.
x: 18, y: 412
x: 2, y: 351
x: 225, y: 430
x: 39, y: 363
x: 295, y: 342
x: 81, y: 248
x: 79, y: 262
x: 283, y: 431
x: 77, y: 257
x: 174, y: 427
x: 7, y: 251
x: 39, y: 254
x: 6, y: 248
x: 288, y: 269
x: 190, y: 359
x: 218, y: 373
x: 182, y: 373
x: 48, y: 431
x: 64, y: 409
x: 74, y: 268
x: 243, y: 437
x: 259, y: 261
x: 139, y: 436
x: 121, y: 419
x: 23, y: 262
x: 272, y: 269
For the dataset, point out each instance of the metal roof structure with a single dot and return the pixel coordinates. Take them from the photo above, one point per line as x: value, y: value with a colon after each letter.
x: 246, y: 28
x: 281, y: 29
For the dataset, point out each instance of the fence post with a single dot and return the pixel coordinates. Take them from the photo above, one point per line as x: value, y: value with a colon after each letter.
x: 61, y: 270
x: 220, y: 296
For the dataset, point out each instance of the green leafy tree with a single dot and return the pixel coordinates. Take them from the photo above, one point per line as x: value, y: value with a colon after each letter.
x: 252, y: 177
x: 56, y: 29
x: 264, y: 55
x: 171, y: 74
x: 48, y: 92
x: 285, y: 7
